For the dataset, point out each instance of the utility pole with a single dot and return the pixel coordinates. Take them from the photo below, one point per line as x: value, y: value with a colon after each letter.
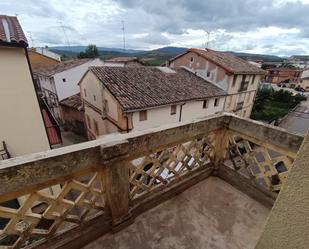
x: 124, y: 36
x: 208, y: 35
x: 31, y: 38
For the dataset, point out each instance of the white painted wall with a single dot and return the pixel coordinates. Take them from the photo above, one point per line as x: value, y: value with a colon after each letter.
x: 21, y: 124
x: 190, y: 110
x: 72, y: 76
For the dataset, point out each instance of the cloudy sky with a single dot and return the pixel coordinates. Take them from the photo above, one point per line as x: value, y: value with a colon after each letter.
x: 279, y: 27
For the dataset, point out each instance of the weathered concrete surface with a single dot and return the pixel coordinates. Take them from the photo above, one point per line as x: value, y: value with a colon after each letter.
x: 211, y: 214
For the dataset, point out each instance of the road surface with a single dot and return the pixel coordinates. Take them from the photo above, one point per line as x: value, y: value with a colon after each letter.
x: 297, y: 120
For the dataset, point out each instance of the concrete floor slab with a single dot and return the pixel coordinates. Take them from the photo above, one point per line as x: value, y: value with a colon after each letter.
x: 211, y: 214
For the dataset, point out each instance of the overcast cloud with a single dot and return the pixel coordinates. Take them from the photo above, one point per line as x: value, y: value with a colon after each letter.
x: 258, y: 26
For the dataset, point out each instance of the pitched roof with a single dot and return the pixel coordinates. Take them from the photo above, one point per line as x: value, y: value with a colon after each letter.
x: 122, y: 59
x: 62, y: 66
x: 72, y: 102
x: 226, y: 60
x: 11, y: 31
x: 146, y: 87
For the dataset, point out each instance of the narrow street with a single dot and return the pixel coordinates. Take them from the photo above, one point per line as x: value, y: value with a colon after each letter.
x: 297, y: 120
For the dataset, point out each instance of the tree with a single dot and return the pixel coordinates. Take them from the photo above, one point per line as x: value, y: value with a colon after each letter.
x: 90, y: 52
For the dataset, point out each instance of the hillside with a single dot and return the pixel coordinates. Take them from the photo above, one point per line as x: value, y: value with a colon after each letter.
x: 152, y: 57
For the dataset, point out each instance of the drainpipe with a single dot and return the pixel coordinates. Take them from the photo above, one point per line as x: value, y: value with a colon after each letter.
x: 127, y: 121
x: 180, y: 113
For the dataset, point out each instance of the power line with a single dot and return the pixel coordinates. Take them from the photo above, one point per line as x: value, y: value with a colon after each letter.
x: 65, y: 35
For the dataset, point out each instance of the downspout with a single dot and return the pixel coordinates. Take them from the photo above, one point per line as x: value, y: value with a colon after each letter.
x: 180, y: 113
x: 36, y: 94
x: 127, y: 121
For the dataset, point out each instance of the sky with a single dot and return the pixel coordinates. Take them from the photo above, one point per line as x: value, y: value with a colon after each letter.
x: 278, y: 27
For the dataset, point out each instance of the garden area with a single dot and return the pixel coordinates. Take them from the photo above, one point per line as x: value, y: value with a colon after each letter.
x: 272, y: 105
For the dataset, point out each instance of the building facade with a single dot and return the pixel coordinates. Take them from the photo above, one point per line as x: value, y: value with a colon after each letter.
x: 121, y: 99
x: 61, y: 81
x: 21, y: 126
x: 283, y: 75
x: 237, y: 77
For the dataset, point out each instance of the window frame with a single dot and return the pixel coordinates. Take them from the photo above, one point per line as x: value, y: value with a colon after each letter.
x: 173, y: 109
x: 216, y: 102
x: 205, y: 103
x: 143, y: 115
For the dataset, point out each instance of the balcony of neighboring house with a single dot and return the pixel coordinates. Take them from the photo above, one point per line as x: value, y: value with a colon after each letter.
x: 243, y: 85
x: 51, y: 124
x: 209, y: 183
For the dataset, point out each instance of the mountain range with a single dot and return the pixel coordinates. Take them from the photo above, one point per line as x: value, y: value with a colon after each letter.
x: 154, y: 57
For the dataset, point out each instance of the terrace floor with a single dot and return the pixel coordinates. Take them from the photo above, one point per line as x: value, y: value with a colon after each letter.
x: 211, y: 214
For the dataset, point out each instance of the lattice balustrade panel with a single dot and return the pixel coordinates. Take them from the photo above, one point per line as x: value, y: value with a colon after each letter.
x: 166, y: 166
x: 42, y: 213
x: 266, y: 167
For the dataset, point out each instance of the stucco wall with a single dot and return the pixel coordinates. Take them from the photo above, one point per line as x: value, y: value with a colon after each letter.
x: 72, y: 78
x: 288, y: 224
x: 202, y: 66
x: 21, y: 125
x: 162, y: 115
x: 223, y: 79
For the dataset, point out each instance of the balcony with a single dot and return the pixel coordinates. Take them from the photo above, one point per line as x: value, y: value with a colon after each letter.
x: 243, y: 86
x: 206, y: 184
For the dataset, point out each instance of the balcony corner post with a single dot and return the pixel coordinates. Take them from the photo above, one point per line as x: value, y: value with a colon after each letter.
x: 117, y: 186
x: 221, y: 145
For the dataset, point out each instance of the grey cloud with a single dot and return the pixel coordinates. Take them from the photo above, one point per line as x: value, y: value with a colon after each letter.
x: 225, y: 14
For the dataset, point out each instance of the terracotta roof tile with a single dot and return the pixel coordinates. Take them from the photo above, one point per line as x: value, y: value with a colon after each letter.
x: 227, y: 61
x: 122, y: 59
x: 72, y: 102
x: 62, y: 66
x: 146, y: 87
x: 11, y: 31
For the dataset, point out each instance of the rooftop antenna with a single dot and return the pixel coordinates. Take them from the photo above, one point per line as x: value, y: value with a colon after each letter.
x: 124, y: 36
x: 65, y: 35
x: 208, y: 35
x: 31, y: 38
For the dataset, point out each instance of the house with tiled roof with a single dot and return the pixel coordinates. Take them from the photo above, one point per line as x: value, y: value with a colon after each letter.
x: 236, y: 76
x: 60, y: 81
x: 25, y: 126
x: 122, y: 99
x: 124, y: 61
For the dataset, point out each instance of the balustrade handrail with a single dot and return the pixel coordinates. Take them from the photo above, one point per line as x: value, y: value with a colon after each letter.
x: 112, y: 174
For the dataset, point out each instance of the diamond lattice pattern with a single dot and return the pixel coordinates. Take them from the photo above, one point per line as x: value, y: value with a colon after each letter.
x: 45, y: 212
x: 166, y: 166
x: 266, y: 167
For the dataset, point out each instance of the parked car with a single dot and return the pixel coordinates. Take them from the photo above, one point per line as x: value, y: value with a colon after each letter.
x: 299, y: 89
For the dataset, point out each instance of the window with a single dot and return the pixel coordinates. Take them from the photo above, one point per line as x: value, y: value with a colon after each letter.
x: 173, y: 109
x: 216, y: 101
x: 105, y: 106
x: 88, y: 122
x: 239, y: 106
x: 234, y: 80
x: 94, y: 98
x: 142, y: 115
x: 85, y: 92
x: 191, y: 59
x: 229, y: 101
x: 205, y: 104
x: 243, y: 84
x: 96, y: 127
x: 253, y: 79
x: 208, y: 74
x: 64, y: 80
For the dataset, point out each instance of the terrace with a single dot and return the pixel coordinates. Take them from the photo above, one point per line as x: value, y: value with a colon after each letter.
x: 205, y: 184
